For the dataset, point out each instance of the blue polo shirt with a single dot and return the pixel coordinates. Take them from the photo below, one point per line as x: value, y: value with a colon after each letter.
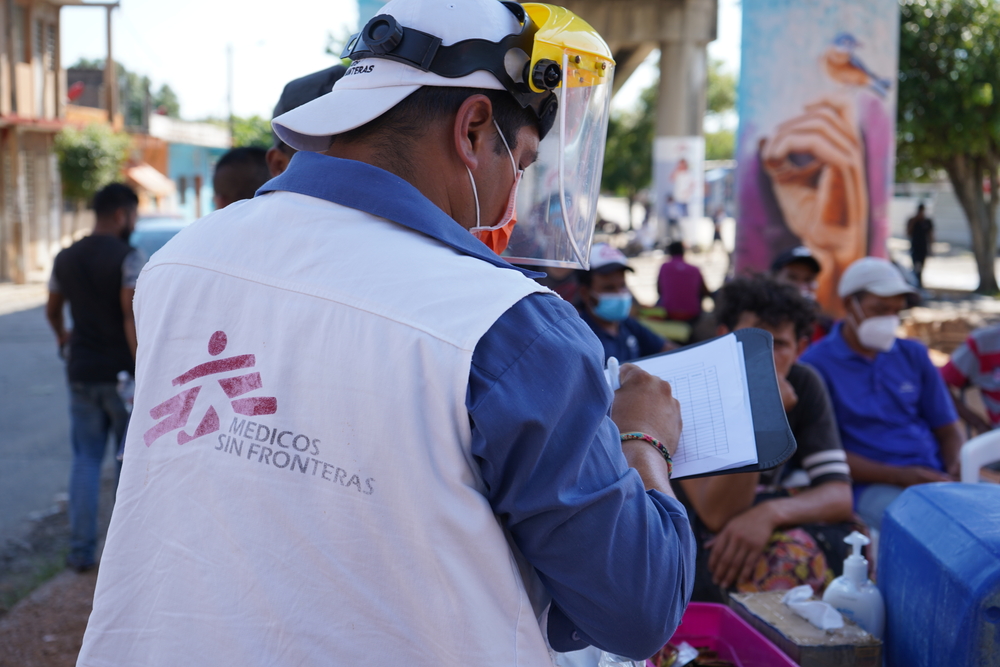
x: 617, y: 559
x: 887, y: 407
x: 632, y: 342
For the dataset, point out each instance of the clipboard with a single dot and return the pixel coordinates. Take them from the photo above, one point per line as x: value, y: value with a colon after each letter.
x: 772, y: 434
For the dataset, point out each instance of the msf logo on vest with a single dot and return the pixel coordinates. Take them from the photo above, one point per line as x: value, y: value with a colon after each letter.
x: 175, y: 412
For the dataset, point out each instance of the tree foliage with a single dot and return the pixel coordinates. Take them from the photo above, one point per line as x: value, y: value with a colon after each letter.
x: 628, y: 155
x: 720, y: 145
x: 252, y: 131
x: 165, y: 101
x: 720, y: 94
x: 90, y: 158
x: 949, y: 108
x: 132, y: 91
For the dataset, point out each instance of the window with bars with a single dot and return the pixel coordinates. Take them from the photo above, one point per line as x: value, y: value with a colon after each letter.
x: 50, y: 48
x: 20, y: 32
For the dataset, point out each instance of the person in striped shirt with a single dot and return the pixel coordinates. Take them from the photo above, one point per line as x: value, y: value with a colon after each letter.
x: 976, y: 363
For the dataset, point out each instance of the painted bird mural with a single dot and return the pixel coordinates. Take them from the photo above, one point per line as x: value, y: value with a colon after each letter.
x: 844, y: 66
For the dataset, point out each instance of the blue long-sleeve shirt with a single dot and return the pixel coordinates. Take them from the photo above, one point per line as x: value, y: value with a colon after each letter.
x: 618, y: 560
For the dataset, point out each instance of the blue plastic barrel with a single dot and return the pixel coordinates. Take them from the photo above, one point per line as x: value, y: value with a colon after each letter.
x: 939, y: 573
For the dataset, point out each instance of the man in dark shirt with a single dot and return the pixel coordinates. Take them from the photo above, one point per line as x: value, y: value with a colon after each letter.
x: 920, y: 229
x: 605, y: 304
x: 732, y: 511
x: 96, y: 275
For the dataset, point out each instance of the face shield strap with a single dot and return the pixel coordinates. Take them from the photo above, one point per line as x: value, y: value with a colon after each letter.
x: 508, y: 60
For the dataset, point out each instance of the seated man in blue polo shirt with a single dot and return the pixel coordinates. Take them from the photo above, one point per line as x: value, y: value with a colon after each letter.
x: 605, y: 304
x: 897, y: 421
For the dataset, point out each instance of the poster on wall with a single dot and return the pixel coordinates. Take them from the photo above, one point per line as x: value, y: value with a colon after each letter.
x: 678, y: 182
x: 816, y: 147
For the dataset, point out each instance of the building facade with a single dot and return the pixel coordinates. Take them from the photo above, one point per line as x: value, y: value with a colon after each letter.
x: 32, y: 90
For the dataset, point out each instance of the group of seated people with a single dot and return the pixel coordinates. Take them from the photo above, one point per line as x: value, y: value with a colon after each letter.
x: 870, y: 413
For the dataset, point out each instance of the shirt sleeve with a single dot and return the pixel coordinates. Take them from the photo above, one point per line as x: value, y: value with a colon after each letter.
x: 820, y: 452
x: 936, y: 404
x: 618, y: 560
x: 134, y: 261
x: 962, y: 366
x: 54, y: 282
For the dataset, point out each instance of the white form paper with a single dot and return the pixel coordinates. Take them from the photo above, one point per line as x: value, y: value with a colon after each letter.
x: 709, y: 381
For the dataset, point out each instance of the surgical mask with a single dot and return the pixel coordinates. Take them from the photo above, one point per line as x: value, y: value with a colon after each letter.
x: 613, y: 307
x: 496, y: 237
x: 877, y: 333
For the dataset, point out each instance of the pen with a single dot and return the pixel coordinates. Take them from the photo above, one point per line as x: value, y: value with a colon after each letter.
x: 612, y: 374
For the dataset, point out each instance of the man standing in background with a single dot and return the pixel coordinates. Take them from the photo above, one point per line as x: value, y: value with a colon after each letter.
x: 681, y: 286
x: 97, y: 276
x: 920, y: 229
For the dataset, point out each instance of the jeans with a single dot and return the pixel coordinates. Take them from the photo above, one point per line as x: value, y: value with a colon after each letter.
x: 873, y: 501
x: 96, y: 411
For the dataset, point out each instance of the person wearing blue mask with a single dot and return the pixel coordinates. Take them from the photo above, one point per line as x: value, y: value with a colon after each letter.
x: 606, y: 305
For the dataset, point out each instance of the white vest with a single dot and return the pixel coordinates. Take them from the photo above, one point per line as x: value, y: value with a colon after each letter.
x: 341, y: 518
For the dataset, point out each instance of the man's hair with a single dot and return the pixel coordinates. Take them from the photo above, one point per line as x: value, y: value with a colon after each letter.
x: 921, y: 207
x: 675, y: 249
x: 772, y: 302
x: 393, y: 133
x: 112, y: 197
x: 240, y: 172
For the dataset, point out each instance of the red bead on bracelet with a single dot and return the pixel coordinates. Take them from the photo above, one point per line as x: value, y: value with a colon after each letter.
x: 655, y: 443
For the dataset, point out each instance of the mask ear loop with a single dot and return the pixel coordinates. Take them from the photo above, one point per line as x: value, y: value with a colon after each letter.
x: 475, y: 193
x: 507, y: 146
x: 585, y: 263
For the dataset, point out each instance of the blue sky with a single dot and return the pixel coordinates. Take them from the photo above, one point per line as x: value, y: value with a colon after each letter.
x: 183, y: 43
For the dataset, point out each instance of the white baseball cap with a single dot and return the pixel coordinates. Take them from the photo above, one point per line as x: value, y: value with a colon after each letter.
x: 372, y: 86
x: 605, y: 258
x: 873, y: 274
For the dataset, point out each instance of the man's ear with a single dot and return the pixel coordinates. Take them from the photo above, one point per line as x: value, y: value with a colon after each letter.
x: 277, y: 161
x: 472, y: 129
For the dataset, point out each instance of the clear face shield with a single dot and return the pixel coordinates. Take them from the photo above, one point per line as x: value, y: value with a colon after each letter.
x: 557, y: 198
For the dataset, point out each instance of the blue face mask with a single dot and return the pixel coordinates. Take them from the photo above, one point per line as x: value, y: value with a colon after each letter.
x: 613, y: 307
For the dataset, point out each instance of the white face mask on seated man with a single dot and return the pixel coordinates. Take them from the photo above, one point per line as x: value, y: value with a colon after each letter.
x: 875, y: 333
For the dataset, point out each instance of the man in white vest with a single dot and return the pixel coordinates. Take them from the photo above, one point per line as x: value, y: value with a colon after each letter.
x: 421, y: 464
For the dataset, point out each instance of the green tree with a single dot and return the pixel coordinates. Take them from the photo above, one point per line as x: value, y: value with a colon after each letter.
x: 949, y: 112
x: 165, y: 100
x: 89, y: 159
x: 720, y: 94
x: 720, y: 145
x: 628, y: 154
x: 252, y: 131
x: 133, y: 90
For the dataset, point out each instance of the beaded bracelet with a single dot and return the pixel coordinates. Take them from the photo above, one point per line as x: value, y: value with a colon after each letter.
x: 655, y: 443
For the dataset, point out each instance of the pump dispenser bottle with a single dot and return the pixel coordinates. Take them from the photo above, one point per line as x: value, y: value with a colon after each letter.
x: 853, y: 595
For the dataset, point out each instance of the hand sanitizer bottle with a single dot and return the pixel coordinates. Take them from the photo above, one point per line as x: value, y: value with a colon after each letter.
x: 853, y: 595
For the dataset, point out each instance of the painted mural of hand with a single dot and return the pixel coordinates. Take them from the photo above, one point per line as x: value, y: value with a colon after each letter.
x: 816, y: 163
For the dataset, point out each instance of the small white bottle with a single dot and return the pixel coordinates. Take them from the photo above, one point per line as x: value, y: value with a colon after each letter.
x: 853, y: 594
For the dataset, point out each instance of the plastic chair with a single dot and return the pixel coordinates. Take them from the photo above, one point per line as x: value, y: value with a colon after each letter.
x: 978, y: 452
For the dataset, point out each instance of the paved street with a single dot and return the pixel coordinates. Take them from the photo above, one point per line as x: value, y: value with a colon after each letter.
x: 34, y: 446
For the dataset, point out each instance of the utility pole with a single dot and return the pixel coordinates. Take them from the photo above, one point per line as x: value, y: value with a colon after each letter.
x: 110, y: 73
x: 229, y: 90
